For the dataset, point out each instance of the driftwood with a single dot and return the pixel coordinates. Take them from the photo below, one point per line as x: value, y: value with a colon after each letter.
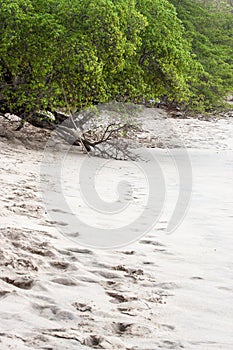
x: 106, y: 138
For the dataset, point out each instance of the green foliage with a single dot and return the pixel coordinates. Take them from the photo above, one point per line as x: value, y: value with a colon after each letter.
x: 53, y: 48
x: 210, y: 32
x: 53, y: 52
x: 165, y: 57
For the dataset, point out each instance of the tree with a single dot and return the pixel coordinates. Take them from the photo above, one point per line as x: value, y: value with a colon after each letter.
x: 165, y: 57
x: 210, y: 33
x: 53, y: 48
x: 86, y: 50
x: 62, y: 55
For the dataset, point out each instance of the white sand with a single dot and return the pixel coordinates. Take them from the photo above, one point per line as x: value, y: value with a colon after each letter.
x: 164, y: 292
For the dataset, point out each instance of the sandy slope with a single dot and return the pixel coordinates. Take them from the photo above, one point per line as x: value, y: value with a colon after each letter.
x: 163, y: 292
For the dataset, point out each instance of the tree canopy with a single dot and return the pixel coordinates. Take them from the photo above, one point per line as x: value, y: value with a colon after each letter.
x: 209, y: 29
x: 58, y: 53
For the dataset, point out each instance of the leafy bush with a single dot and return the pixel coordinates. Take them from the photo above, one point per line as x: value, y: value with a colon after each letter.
x: 209, y: 29
x: 54, y: 53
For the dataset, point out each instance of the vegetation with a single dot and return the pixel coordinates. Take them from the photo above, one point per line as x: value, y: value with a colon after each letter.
x: 55, y: 54
x: 209, y: 29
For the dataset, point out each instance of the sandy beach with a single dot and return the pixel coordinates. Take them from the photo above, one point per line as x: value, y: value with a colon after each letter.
x: 164, y: 291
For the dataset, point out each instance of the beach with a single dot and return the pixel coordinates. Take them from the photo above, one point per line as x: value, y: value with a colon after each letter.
x: 164, y: 290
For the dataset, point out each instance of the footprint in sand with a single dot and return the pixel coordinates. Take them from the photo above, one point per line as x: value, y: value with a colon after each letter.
x: 168, y: 327
x: 82, y: 307
x: 119, y: 298
x: 65, y: 281
x: 4, y: 293
x: 131, y: 329
x: 168, y: 344
x: 24, y: 282
x: 59, y: 223
x: 61, y: 265
x: 52, y: 312
x: 121, y: 327
x: 99, y: 342
x: 93, y: 341
x: 147, y: 241
x: 80, y: 251
x: 111, y: 285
